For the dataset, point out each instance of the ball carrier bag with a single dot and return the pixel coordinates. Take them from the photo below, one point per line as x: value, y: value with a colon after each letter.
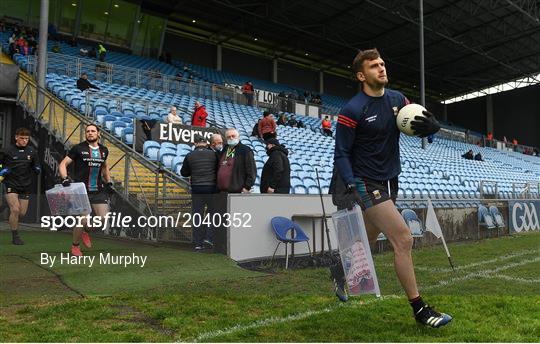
x: 348, y: 234
x: 358, y: 267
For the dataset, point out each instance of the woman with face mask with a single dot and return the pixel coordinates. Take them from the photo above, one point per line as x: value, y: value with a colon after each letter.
x: 236, y: 170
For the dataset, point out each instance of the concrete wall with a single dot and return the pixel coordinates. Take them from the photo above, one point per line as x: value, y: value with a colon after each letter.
x: 259, y: 242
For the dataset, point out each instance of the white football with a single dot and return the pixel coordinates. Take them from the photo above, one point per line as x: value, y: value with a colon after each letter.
x: 406, y: 116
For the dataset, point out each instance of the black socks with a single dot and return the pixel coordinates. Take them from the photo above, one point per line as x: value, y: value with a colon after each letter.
x: 417, y: 303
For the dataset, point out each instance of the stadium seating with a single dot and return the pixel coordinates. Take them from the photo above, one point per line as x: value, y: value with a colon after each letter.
x: 331, y: 104
x: 438, y: 172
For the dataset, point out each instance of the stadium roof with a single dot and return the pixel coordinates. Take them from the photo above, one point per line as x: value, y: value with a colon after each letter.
x: 469, y: 45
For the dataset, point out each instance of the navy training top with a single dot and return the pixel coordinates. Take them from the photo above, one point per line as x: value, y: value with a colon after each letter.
x: 367, y: 137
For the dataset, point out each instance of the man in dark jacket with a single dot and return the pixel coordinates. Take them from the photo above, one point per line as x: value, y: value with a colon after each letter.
x: 201, y: 166
x: 469, y: 155
x: 276, y: 173
x: 83, y: 84
x: 237, y: 170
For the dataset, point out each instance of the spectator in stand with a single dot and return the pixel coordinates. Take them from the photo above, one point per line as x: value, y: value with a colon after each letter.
x: 83, y: 52
x: 514, y: 141
x: 478, y: 157
x: 32, y: 43
x: 489, y: 139
x: 292, y: 122
x: 83, y: 84
x: 178, y: 76
x: 267, y: 126
x: 161, y: 57
x: 21, y: 41
x: 198, y: 119
x: 168, y: 57
x: 282, y: 120
x: 92, y: 53
x: 26, y: 50
x: 327, y: 126
x: 72, y: 42
x: 13, y: 49
x: 276, y: 173
x: 255, y: 130
x: 172, y: 117
x: 469, y: 155
x: 101, y: 52
x: 248, y: 91
x: 237, y: 170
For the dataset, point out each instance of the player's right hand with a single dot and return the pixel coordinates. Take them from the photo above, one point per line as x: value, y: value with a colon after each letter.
x: 353, y: 197
x: 66, y: 182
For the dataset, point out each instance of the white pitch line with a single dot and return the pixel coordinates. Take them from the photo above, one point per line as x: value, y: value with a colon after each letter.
x: 480, y: 274
x: 516, y: 279
x: 472, y: 265
x: 291, y: 317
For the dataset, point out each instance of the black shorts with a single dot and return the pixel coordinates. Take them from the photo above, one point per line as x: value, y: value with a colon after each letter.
x: 23, y: 193
x: 374, y: 192
x: 98, y: 197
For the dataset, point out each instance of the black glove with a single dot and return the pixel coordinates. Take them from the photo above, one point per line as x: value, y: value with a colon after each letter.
x: 425, y: 126
x: 108, y: 187
x: 66, y: 182
x: 352, y: 196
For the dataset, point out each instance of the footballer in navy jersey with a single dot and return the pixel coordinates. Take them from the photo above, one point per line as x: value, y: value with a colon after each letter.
x: 19, y: 166
x: 90, y: 167
x: 367, y: 159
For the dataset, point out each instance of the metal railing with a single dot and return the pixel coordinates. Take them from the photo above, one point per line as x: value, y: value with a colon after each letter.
x: 147, y: 186
x: 112, y: 73
x: 525, y: 190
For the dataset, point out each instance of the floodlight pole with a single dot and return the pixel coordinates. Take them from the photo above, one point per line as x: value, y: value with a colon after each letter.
x: 41, y: 71
x: 422, y: 76
x: 42, y: 54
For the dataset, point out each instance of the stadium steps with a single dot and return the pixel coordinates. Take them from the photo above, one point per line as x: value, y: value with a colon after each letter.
x: 170, y: 196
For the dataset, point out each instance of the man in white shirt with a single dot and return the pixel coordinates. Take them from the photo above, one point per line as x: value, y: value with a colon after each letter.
x: 173, y: 117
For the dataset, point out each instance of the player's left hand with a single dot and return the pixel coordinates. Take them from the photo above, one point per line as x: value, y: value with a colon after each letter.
x: 425, y: 126
x: 109, y: 188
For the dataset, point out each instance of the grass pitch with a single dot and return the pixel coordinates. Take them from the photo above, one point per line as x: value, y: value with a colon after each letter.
x: 185, y: 296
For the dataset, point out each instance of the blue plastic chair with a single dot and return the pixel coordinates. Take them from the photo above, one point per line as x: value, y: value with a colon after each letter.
x: 288, y: 232
x: 497, y: 217
x: 413, y: 222
x: 485, y: 218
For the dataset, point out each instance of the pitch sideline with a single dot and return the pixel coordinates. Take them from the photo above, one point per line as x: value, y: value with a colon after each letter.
x: 306, y: 314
